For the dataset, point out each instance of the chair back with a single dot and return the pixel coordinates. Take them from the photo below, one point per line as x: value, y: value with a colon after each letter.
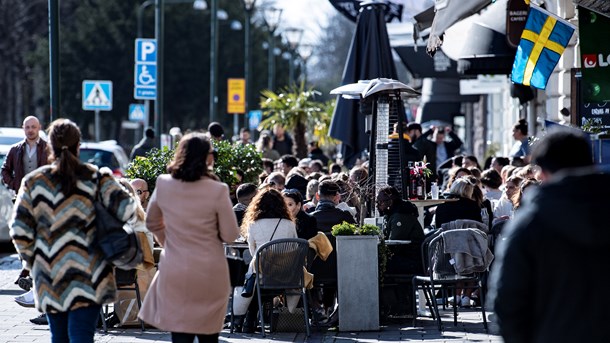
x: 425, y: 254
x: 125, y: 277
x: 279, y: 263
x: 459, y: 252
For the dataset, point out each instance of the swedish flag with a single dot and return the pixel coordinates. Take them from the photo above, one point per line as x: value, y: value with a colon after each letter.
x: 543, y: 40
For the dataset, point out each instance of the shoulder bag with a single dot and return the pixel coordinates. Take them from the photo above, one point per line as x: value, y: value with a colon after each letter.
x: 120, y: 247
x: 248, y: 288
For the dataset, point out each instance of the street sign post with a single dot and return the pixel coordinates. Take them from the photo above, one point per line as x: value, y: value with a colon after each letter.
x: 97, y: 96
x: 145, y: 78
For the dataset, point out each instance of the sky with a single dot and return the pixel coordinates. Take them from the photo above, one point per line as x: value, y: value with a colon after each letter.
x: 310, y: 15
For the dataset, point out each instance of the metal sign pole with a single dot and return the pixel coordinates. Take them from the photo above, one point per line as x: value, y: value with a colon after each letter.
x: 235, y: 124
x: 97, y: 125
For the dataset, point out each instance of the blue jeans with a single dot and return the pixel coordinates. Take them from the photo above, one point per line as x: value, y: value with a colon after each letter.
x: 77, y: 326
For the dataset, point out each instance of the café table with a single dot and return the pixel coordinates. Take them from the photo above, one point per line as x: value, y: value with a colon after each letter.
x: 421, y: 204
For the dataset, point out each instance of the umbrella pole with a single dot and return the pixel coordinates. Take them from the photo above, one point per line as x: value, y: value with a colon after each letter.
x: 370, y: 199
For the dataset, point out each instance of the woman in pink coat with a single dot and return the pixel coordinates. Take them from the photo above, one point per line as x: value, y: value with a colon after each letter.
x: 190, y: 214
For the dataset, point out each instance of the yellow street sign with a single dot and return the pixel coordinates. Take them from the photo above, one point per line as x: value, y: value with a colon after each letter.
x: 236, y: 96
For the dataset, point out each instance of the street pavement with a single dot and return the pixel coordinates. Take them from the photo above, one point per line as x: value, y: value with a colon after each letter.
x: 16, y: 327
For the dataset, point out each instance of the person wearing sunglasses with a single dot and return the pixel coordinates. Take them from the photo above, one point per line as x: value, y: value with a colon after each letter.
x: 141, y: 188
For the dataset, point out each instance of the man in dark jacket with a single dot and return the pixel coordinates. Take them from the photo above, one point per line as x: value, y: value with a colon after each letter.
x: 326, y: 213
x: 25, y: 156
x: 145, y: 145
x: 327, y: 216
x: 549, y: 281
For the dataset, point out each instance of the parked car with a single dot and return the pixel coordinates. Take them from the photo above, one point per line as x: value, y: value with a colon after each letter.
x: 105, y: 154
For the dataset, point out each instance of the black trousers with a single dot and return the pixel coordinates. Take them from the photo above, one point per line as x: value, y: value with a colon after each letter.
x: 181, y: 337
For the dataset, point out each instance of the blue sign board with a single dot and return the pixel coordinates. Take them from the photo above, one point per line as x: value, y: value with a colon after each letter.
x: 254, y: 119
x: 137, y: 112
x: 145, y: 71
x: 97, y: 95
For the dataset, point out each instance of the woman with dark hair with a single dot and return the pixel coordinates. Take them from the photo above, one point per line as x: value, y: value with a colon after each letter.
x: 306, y: 224
x: 191, y: 215
x: 470, y: 161
x: 53, y: 226
x: 267, y: 218
x: 456, y: 173
x: 521, y: 146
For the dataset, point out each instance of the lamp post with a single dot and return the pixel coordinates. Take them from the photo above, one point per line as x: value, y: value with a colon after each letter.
x: 305, y: 51
x: 248, y: 8
x: 272, y: 17
x: 293, y: 35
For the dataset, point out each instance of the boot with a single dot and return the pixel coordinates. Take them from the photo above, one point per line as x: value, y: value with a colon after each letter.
x: 250, y: 322
x: 238, y: 323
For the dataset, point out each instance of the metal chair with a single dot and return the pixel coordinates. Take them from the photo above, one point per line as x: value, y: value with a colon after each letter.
x: 279, y: 268
x: 126, y: 280
x: 441, y: 274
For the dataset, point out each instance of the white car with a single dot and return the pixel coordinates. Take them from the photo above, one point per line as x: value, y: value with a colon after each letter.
x: 105, y: 154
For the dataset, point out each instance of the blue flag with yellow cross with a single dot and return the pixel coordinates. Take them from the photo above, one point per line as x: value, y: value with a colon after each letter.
x: 543, y: 40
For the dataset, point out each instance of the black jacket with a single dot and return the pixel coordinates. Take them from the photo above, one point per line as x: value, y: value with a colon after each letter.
x: 307, y: 225
x: 461, y: 209
x: 550, y: 279
x: 328, y: 215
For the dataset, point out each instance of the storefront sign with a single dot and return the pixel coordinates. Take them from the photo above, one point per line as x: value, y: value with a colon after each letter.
x: 516, y: 16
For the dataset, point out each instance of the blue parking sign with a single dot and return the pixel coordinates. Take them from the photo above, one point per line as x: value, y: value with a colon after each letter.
x: 145, y: 71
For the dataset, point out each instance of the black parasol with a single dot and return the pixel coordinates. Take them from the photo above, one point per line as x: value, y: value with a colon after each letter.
x: 370, y: 57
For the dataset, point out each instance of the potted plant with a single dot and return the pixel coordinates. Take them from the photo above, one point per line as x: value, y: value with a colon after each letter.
x: 357, y: 276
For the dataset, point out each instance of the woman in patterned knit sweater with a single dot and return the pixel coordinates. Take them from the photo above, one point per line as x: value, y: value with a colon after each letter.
x: 53, y: 229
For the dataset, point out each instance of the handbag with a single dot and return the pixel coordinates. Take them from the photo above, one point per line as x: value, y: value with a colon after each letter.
x: 120, y: 247
x: 248, y: 288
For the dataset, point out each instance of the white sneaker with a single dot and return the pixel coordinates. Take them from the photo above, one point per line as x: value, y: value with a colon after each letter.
x: 26, y: 299
x: 466, y: 302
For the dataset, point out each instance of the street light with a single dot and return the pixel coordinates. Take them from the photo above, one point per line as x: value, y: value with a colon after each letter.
x: 272, y: 17
x: 293, y: 35
x: 248, y: 8
x: 305, y: 51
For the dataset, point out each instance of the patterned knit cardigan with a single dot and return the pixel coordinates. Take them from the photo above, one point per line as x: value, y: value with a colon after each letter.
x: 54, y: 235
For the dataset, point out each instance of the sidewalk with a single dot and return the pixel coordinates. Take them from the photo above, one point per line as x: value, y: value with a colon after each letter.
x: 15, y: 325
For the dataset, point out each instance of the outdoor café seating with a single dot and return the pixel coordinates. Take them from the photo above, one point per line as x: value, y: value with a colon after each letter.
x: 279, y: 270
x: 442, y: 274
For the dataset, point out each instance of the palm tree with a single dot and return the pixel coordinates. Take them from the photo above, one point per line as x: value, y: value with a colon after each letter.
x: 295, y: 109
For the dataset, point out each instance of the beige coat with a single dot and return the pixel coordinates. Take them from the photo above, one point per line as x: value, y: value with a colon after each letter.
x: 190, y: 220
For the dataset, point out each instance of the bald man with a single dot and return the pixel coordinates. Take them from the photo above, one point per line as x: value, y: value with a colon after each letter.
x: 141, y: 188
x: 25, y: 156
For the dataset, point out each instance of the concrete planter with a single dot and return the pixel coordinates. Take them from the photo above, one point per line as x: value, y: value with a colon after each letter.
x: 358, y: 283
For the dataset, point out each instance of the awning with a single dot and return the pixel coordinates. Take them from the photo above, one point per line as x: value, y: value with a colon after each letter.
x: 479, y: 42
x: 449, y: 12
x: 441, y: 100
x: 599, y: 6
x: 420, y: 65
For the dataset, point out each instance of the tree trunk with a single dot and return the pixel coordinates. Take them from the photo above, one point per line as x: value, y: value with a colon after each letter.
x: 299, y: 140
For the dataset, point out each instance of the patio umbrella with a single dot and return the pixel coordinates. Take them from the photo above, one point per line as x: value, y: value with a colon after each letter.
x: 370, y: 57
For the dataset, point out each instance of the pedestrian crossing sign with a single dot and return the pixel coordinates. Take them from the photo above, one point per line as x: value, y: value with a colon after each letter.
x: 97, y: 95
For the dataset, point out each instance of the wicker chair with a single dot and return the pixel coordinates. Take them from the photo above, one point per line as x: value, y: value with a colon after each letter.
x: 279, y: 269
